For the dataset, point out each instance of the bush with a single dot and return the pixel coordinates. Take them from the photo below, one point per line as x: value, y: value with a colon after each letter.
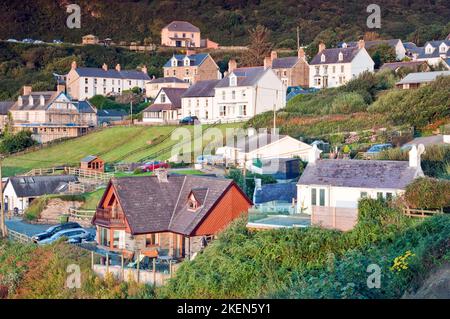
x: 348, y: 103
x: 428, y: 193
x: 13, y: 143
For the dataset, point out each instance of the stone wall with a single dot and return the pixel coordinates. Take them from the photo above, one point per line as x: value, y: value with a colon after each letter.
x: 55, y: 208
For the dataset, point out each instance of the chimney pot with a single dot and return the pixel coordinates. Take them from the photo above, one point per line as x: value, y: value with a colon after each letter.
x: 361, y: 44
x: 273, y: 55
x: 161, y: 174
x: 74, y: 65
x: 118, y: 68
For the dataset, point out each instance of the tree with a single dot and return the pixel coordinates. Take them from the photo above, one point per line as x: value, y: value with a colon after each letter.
x: 381, y: 54
x: 16, y: 142
x: 259, y: 46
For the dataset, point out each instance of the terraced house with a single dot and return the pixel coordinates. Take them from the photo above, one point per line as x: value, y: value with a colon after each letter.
x: 292, y: 71
x: 83, y: 83
x: 335, y: 67
x: 52, y: 115
x: 192, y: 67
x: 165, y: 215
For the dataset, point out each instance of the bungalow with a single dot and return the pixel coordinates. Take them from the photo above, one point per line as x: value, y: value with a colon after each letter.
x: 275, y: 198
x: 415, y: 80
x: 20, y: 191
x: 335, y: 67
x: 107, y: 116
x: 264, y: 146
x: 329, y: 190
x: 166, y: 108
x: 165, y: 215
x: 415, y: 66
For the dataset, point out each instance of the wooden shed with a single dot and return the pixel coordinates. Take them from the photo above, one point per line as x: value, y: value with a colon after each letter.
x: 93, y: 163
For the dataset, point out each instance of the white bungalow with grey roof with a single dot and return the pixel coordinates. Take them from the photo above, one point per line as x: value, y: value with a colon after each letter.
x: 329, y: 190
x: 335, y: 67
x: 20, y: 191
x: 246, y: 92
x: 417, y: 79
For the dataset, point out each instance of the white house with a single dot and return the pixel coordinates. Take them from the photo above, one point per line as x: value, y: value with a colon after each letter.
x: 20, y: 191
x: 198, y: 101
x: 329, y: 190
x: 246, y: 92
x: 83, y: 83
x: 264, y: 146
x: 335, y: 67
x: 434, y: 52
x: 166, y: 108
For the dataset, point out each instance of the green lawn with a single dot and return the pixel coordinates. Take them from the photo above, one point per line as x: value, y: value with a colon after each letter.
x: 92, y: 199
x: 111, y: 144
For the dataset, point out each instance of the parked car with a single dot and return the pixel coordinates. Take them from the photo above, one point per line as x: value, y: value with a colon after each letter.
x: 12, y: 40
x: 189, y: 120
x: 38, y: 42
x: 55, y: 229
x: 27, y: 40
x: 72, y: 235
x: 377, y: 148
x: 57, y: 42
x: 151, y: 166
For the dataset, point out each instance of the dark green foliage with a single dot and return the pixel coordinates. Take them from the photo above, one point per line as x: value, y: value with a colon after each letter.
x: 381, y: 54
x: 12, y: 143
x: 247, y: 264
x: 249, y: 187
x: 428, y: 193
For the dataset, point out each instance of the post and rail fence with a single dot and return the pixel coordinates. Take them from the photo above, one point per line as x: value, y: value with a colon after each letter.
x: 420, y: 213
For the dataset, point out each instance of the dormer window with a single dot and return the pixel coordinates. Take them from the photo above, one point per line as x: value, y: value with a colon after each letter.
x: 174, y: 61
x: 193, y: 204
x: 443, y: 48
x: 322, y: 58
x: 429, y: 49
x: 233, y: 80
x: 340, y: 56
x: 196, y: 198
x: 187, y: 62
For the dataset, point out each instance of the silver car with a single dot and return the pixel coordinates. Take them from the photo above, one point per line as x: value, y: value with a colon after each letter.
x: 72, y: 235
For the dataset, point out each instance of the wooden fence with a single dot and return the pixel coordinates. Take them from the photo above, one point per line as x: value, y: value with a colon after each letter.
x: 421, y: 213
x: 16, y: 236
x: 76, y: 171
x: 81, y: 214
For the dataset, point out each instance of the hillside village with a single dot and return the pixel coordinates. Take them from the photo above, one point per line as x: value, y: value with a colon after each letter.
x: 212, y: 150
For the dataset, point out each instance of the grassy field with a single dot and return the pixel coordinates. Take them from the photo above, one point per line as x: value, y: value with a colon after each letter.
x: 111, y: 144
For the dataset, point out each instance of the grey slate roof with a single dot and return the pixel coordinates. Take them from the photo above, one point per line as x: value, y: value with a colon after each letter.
x: 111, y: 112
x: 423, y: 77
x: 332, y: 55
x: 201, y: 89
x: 151, y: 206
x: 359, y: 173
x: 166, y: 80
x: 49, y: 96
x: 34, y: 186
x: 174, y: 96
x: 5, y: 106
x: 283, y: 192
x: 251, y: 143
x: 284, y: 63
x: 84, y: 106
x: 245, y: 76
x: 369, y: 44
x: 195, y: 59
x: 112, y: 73
x: 182, y: 26
x: 407, y: 64
x: 88, y: 158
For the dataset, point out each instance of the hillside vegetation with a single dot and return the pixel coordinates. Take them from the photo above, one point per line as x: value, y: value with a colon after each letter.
x: 111, y: 144
x: 225, y: 21
x: 317, y: 263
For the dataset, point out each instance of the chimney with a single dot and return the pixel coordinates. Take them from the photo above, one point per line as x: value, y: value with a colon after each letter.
x: 273, y: 55
x: 74, y: 65
x: 27, y: 89
x: 267, y: 62
x: 144, y: 69
x: 414, y: 155
x: 161, y: 174
x: 105, y: 67
x: 41, y: 100
x: 61, y: 88
x: 314, y: 155
x: 31, y: 100
x: 321, y: 47
x: 361, y: 44
x: 190, y: 52
x: 118, y: 68
x: 301, y: 53
x: 232, y: 65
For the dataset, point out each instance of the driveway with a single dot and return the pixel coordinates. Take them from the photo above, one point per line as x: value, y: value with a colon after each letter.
x: 22, y: 227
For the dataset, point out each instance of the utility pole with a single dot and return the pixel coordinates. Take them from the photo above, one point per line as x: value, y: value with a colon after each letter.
x: 131, y: 108
x: 2, y: 209
x: 298, y: 38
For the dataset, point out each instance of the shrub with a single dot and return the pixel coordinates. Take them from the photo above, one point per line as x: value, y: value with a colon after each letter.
x: 348, y: 103
x: 428, y: 193
x: 13, y: 143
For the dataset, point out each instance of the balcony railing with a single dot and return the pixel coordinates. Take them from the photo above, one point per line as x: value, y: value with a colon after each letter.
x: 109, y: 217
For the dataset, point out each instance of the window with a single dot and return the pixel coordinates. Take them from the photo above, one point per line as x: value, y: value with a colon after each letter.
x: 95, y: 81
x: 223, y: 110
x: 379, y: 195
x: 325, y: 69
x: 163, y: 98
x: 317, y: 70
x: 284, y: 73
x: 334, y: 69
x: 341, y: 56
x: 104, y: 237
x: 86, y: 81
x: 342, y: 69
x: 174, y: 72
x: 313, y: 197
x: 104, y: 90
x: 187, y: 72
x: 206, y: 114
x: 223, y: 95
x: 233, y: 95
x: 389, y: 196
x: 104, y: 81
x: 244, y: 110
x: 244, y: 94
x: 322, y: 197
x: 118, y: 239
x: 206, y: 102
x: 193, y: 204
x: 129, y: 83
x: 198, y: 102
x: 363, y: 195
x: 86, y: 89
x: 151, y: 240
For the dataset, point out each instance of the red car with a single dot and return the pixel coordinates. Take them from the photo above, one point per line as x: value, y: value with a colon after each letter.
x: 151, y: 166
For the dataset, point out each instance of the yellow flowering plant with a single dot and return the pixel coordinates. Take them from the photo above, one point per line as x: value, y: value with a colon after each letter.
x: 401, y: 262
